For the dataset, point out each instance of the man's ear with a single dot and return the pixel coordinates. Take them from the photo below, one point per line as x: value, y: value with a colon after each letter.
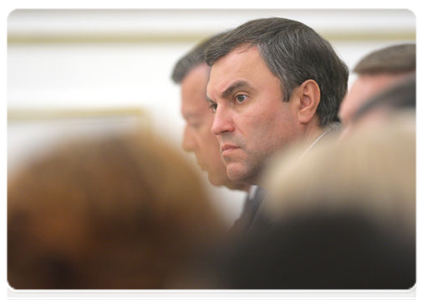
x: 309, y: 98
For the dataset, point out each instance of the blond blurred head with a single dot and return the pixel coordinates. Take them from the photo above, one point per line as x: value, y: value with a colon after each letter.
x: 372, y: 174
x: 117, y: 212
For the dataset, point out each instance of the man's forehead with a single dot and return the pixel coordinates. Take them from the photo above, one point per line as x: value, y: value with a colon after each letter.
x: 238, y: 57
x: 194, y: 106
x: 193, y: 87
x: 350, y: 103
x: 196, y: 78
x: 238, y: 61
x: 237, y: 68
x: 363, y: 88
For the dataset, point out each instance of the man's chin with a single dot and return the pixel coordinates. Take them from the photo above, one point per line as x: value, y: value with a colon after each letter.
x: 223, y: 180
x: 236, y: 174
x: 217, y: 180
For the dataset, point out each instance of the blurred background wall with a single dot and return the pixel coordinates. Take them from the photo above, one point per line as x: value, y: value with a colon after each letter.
x: 72, y: 72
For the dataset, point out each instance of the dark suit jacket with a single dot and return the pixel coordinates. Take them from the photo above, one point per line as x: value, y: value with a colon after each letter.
x: 251, y: 217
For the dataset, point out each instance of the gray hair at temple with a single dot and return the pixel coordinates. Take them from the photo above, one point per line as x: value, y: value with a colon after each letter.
x: 294, y: 53
x: 192, y: 59
x: 392, y: 60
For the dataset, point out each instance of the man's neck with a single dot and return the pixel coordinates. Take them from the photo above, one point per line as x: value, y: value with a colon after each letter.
x: 312, y: 133
x: 318, y: 134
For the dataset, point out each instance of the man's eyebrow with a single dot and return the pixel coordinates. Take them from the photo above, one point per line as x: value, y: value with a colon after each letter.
x: 210, y: 101
x: 236, y: 85
x: 230, y: 89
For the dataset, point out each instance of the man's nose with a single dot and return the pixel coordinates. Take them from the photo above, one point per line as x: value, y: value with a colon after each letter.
x: 222, y: 121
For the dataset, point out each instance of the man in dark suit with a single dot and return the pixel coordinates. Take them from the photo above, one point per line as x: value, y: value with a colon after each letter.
x: 272, y: 82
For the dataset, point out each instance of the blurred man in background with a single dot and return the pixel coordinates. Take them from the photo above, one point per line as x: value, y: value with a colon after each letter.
x: 378, y: 71
x: 396, y: 100
x: 192, y: 73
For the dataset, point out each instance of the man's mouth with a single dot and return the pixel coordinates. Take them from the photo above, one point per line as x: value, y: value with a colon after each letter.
x: 228, y: 148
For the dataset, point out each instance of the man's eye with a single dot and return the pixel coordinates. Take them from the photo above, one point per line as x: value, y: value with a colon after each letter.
x: 240, y: 98
x: 213, y: 107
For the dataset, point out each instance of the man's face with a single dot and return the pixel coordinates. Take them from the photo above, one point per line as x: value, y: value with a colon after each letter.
x: 251, y: 121
x: 199, y: 118
x: 363, y: 88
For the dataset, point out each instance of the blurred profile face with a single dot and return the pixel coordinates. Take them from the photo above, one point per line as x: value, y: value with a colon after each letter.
x: 363, y: 88
x: 199, y: 118
x: 251, y: 121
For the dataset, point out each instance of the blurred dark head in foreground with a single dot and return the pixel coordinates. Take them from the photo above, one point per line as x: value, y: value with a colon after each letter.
x: 321, y: 256
x: 118, y: 212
